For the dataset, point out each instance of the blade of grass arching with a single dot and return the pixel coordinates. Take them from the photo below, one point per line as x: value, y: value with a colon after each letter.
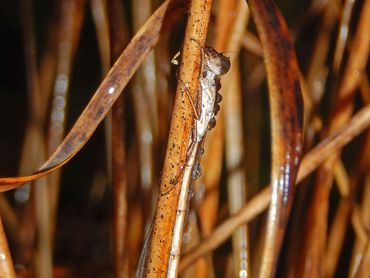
x: 118, y: 148
x: 286, y: 114
x: 164, y: 244
x: 312, y: 160
x: 103, y: 99
x: 6, y: 263
x: 146, y: 115
x: 251, y: 43
x: 312, y: 255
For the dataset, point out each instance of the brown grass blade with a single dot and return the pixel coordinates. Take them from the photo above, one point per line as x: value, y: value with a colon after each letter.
x: 286, y: 114
x: 259, y: 203
x: 103, y: 99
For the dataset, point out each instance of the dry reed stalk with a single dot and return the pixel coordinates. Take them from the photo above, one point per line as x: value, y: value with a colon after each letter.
x: 214, y: 143
x: 234, y: 145
x: 100, y: 17
x: 164, y: 239
x: 260, y: 202
x: 317, y: 71
x: 314, y: 246
x: 146, y: 115
x: 329, y: 69
x: 118, y: 148
x: 360, y: 221
x: 35, y: 144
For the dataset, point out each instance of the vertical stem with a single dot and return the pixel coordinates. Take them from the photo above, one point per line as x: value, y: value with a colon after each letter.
x: 234, y: 144
x: 176, y: 155
x: 119, y: 173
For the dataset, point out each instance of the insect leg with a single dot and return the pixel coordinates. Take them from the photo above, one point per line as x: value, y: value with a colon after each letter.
x: 191, y: 100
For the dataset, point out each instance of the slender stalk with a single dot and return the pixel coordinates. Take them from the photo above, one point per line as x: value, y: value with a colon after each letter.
x: 146, y: 114
x: 118, y: 148
x: 70, y: 23
x: 35, y: 142
x: 360, y: 222
x: 234, y: 144
x: 317, y: 225
x: 260, y: 202
x: 174, y: 184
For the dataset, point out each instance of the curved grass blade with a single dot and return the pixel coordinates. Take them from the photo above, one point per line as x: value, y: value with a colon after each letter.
x: 107, y: 93
x: 258, y: 204
x: 286, y: 114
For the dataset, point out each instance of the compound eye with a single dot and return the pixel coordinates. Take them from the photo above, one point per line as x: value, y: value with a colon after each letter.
x: 204, y: 74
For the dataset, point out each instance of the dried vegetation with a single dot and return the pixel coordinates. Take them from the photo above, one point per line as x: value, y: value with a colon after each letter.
x: 295, y: 111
